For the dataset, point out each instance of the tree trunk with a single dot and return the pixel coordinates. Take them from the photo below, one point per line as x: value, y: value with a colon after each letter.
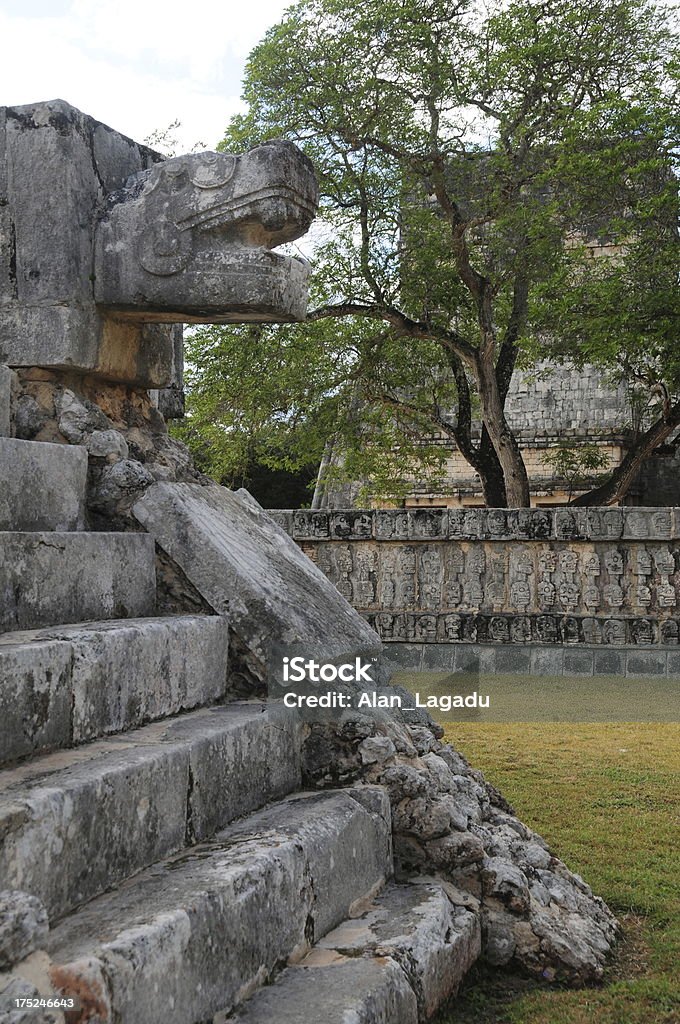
x: 320, y: 488
x: 501, y: 437
x: 617, y: 486
x: 482, y: 457
x: 491, y: 474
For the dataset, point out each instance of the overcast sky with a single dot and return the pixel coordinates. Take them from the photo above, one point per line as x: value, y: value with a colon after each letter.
x: 137, y: 65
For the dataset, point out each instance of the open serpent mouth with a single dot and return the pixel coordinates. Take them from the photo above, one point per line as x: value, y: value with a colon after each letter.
x: 274, y: 206
x: 260, y: 218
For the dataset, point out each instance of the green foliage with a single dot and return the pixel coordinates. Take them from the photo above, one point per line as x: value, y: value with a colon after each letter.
x: 465, y: 154
x: 577, y: 464
x: 274, y: 394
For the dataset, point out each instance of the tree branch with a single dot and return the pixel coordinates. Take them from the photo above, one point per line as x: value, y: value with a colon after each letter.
x: 404, y: 325
x: 618, y: 484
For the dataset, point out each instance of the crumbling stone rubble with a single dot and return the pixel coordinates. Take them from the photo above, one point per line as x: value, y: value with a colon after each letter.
x: 126, y: 437
x: 449, y: 821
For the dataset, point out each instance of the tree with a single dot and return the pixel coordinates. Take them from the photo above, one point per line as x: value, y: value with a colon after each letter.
x: 462, y: 154
x: 576, y: 464
x: 623, y: 313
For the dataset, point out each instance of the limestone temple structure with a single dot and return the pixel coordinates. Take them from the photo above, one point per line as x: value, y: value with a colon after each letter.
x: 552, y: 405
x: 176, y: 845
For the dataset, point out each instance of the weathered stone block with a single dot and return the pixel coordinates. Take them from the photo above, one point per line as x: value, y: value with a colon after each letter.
x: 547, y: 661
x: 57, y: 685
x: 404, y: 656
x: 160, y: 667
x: 427, y: 523
x: 23, y: 926
x: 468, y: 660
x: 110, y: 809
x: 5, y: 396
x: 335, y: 990
x: 609, y: 663
x: 35, y: 698
x: 434, y: 942
x: 244, y: 565
x: 512, y: 660
x: 192, y: 929
x: 57, y: 165
x: 578, y: 663
x: 49, y: 578
x: 43, y: 486
x: 646, y: 663
x: 233, y: 770
x: 438, y: 657
x: 650, y: 523
x: 99, y: 820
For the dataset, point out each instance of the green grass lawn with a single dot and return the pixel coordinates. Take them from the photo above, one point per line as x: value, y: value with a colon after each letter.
x: 606, y: 796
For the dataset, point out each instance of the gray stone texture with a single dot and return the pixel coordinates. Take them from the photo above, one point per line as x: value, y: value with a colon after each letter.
x: 564, y: 401
x: 487, y: 524
x: 178, y: 240
x: 5, y: 400
x: 56, y: 578
x: 56, y: 167
x: 11, y: 1013
x: 202, y: 227
x: 23, y: 926
x: 56, y: 684
x: 43, y: 486
x: 434, y: 941
x: 75, y: 823
x: 606, y: 576
x: 448, y: 820
x: 245, y: 566
x: 35, y: 697
x: 360, y: 991
x: 538, y: 660
x: 212, y: 924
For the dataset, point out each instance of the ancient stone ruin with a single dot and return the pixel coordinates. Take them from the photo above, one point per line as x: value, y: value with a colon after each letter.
x: 591, y: 591
x: 176, y: 846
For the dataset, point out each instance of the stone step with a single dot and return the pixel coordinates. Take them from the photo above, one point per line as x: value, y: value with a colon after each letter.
x: 75, y: 823
x: 52, y: 578
x: 42, y: 486
x: 63, y: 686
x: 195, y: 935
x: 396, y: 964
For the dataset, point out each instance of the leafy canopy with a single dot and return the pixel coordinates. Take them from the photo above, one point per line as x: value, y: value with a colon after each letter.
x: 466, y: 154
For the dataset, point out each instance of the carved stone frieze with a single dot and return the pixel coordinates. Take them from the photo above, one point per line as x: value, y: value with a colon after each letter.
x: 605, y: 525
x: 421, y: 587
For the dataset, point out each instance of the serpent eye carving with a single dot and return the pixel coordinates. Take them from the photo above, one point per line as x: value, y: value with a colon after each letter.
x: 213, y: 170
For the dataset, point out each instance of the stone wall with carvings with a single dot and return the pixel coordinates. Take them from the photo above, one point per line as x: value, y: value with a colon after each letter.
x: 590, y: 576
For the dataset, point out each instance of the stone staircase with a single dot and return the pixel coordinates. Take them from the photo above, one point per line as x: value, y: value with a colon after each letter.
x: 160, y: 823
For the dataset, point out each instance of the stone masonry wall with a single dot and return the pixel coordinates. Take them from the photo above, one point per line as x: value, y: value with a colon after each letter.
x: 565, y: 402
x: 571, y: 576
